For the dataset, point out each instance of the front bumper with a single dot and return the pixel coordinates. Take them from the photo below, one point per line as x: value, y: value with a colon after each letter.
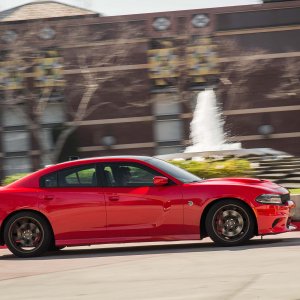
x: 272, y: 219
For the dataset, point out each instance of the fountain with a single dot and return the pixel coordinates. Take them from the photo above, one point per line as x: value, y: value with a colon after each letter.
x: 209, y: 143
x: 207, y: 126
x: 208, y: 137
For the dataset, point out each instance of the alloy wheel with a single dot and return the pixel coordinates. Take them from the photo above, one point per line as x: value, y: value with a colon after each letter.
x: 230, y: 222
x: 26, y: 234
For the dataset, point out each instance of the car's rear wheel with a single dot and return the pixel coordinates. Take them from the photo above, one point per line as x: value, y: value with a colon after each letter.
x: 230, y: 223
x: 27, y: 234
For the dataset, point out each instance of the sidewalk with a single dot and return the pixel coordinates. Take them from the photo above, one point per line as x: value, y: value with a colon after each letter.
x: 262, y: 269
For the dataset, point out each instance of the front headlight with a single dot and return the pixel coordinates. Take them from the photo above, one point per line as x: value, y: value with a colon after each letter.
x: 269, y: 199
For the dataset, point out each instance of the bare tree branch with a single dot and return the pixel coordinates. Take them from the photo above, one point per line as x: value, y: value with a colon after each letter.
x: 25, y: 52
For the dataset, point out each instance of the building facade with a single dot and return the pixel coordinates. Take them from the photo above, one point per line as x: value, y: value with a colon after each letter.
x: 128, y: 84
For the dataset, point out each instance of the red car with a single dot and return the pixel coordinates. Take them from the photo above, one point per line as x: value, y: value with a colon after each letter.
x: 130, y: 199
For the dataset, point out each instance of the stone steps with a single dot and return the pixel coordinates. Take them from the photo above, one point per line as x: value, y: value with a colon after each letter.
x: 274, y: 176
x: 285, y: 171
x: 280, y: 166
x: 292, y: 179
x: 266, y: 163
x: 282, y: 170
x: 294, y: 174
x: 290, y: 185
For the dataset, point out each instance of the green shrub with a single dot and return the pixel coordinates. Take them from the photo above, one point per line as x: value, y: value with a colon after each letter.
x: 215, y: 169
x: 294, y: 191
x: 11, y: 178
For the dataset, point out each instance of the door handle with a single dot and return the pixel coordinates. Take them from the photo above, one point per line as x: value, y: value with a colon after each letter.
x: 113, y: 198
x: 48, y: 197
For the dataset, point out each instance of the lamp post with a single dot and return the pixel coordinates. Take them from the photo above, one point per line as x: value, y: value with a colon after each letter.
x: 108, y: 141
x: 265, y: 130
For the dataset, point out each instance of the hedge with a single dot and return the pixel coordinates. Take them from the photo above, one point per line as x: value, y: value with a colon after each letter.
x: 295, y: 191
x: 11, y: 178
x: 215, y: 169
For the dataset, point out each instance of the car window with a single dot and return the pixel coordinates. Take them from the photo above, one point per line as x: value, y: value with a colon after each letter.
x: 174, y: 171
x: 78, y: 177
x: 128, y: 174
x: 109, y: 177
x: 49, y: 180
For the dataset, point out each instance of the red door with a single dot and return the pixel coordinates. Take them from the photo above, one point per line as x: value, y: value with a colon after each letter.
x: 74, y: 204
x: 138, y: 210
x: 75, y: 213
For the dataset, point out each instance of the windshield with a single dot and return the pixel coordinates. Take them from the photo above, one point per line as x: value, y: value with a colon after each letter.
x: 174, y: 171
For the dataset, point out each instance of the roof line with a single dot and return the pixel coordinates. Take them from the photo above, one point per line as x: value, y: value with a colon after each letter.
x: 66, y: 4
x: 13, y: 22
x: 49, y: 1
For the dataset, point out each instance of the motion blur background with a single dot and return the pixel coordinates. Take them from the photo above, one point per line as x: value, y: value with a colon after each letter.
x: 76, y: 81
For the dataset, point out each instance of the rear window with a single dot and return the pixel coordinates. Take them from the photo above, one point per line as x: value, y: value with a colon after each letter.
x: 49, y: 180
x: 80, y: 176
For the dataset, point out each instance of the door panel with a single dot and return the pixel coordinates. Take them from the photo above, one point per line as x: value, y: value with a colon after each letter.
x: 138, y: 209
x: 147, y: 212
x: 75, y: 213
x: 74, y: 203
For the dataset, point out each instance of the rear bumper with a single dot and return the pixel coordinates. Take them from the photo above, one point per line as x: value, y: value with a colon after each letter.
x: 272, y: 219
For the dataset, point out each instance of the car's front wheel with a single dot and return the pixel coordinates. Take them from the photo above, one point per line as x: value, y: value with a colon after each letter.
x: 27, y: 234
x: 230, y: 223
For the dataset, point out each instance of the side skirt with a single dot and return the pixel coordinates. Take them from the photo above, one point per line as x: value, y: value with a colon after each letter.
x: 95, y: 241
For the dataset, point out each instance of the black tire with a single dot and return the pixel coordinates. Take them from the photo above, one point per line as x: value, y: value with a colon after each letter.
x: 54, y: 248
x: 27, y: 234
x: 230, y: 223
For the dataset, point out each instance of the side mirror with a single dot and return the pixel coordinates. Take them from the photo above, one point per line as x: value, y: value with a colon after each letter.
x: 160, y: 180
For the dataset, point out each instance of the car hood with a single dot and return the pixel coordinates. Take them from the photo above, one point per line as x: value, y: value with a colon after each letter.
x: 264, y: 184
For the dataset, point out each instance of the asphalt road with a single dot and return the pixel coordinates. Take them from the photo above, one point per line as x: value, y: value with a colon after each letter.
x: 262, y: 269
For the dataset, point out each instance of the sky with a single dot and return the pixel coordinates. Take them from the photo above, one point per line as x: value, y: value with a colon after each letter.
x: 124, y: 7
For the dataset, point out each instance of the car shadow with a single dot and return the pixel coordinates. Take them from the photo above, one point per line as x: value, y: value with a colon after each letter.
x: 128, y: 250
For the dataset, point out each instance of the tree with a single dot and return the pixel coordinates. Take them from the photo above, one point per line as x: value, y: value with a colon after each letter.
x: 39, y: 85
x: 238, y: 67
x: 289, y: 80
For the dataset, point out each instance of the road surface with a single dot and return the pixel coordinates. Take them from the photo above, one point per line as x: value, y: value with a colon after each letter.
x: 262, y: 269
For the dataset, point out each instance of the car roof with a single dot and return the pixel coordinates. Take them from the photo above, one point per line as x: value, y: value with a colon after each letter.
x: 32, y: 179
x: 102, y: 158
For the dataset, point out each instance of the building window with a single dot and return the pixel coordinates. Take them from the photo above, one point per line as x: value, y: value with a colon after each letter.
x: 48, y: 70
x: 53, y: 114
x: 168, y: 130
x: 16, y: 141
x: 200, y: 20
x: 161, y: 23
x: 166, y: 105
x: 168, y: 150
x: 47, y: 138
x: 14, y: 165
x: 163, y: 60
x: 14, y: 116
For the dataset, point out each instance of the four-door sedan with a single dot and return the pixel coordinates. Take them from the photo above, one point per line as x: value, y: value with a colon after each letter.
x: 130, y: 199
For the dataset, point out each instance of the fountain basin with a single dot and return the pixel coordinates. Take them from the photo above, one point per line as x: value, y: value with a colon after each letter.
x: 225, y: 153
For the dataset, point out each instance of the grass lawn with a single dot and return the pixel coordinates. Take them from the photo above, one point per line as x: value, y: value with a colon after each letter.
x: 294, y: 191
